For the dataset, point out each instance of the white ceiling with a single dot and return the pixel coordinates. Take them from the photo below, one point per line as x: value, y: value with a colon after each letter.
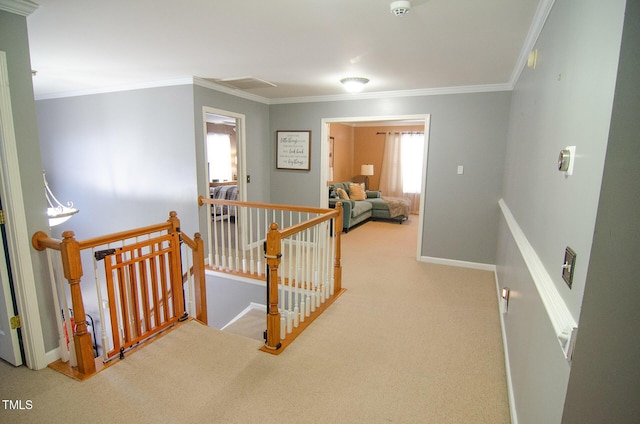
x: 303, y: 46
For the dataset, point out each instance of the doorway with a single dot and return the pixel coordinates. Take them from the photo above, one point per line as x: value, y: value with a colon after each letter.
x: 18, y: 245
x: 224, y: 149
x: 11, y: 347
x: 330, y: 152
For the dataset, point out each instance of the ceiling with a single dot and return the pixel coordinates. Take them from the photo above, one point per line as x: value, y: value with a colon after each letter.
x: 304, y: 47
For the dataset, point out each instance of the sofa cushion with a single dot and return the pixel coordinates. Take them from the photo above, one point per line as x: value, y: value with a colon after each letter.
x: 378, y: 204
x: 342, y: 193
x: 359, y: 208
x: 356, y: 192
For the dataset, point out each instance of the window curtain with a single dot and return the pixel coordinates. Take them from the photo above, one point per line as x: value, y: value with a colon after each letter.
x: 412, y: 154
x: 401, y: 173
x: 391, y: 172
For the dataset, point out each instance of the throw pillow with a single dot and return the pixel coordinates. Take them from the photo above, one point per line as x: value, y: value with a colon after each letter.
x: 342, y: 194
x: 357, y: 192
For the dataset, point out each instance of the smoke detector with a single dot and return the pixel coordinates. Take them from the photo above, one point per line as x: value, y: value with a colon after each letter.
x: 400, y: 8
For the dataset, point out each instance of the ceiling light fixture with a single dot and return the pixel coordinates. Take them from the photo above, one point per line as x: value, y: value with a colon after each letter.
x: 354, y: 84
x: 400, y: 8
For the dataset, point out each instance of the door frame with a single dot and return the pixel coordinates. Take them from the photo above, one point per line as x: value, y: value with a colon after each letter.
x: 17, y: 230
x: 241, y: 148
x: 324, y: 159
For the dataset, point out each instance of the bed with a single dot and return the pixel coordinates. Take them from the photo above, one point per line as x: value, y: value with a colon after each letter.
x: 227, y: 190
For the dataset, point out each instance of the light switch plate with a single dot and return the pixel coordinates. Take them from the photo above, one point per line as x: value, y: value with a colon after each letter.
x: 568, y: 266
x: 460, y: 169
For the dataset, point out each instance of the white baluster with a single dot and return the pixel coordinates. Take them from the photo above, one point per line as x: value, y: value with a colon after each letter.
x: 296, y: 316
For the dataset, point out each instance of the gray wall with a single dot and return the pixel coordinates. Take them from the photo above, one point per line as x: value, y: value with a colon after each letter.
x: 257, y: 141
x: 125, y: 159
x: 566, y: 100
x: 13, y: 41
x: 605, y: 378
x: 461, y: 212
x: 226, y: 298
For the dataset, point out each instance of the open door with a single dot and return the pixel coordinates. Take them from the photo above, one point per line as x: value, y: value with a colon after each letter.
x: 10, y: 345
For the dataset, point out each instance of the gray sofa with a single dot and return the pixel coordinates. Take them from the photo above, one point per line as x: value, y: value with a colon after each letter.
x: 357, y: 211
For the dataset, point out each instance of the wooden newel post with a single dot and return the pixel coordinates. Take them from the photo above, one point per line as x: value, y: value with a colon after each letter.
x: 200, y: 286
x: 72, y: 265
x: 337, y: 268
x: 176, y: 269
x: 272, y: 253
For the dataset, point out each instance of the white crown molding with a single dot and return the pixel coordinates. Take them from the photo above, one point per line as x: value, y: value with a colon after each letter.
x: 243, y: 94
x: 539, y: 19
x: 402, y: 93
x: 228, y: 90
x: 113, y: 89
x: 19, y: 7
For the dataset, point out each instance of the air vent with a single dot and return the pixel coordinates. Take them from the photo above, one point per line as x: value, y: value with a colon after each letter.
x: 243, y: 83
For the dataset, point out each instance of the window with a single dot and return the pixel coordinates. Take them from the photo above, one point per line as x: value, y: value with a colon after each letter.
x: 219, y: 152
x: 412, y: 151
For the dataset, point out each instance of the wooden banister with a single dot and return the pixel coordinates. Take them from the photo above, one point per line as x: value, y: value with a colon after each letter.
x: 200, y: 288
x: 41, y: 241
x: 72, y: 266
x: 337, y: 268
x: 141, y: 285
x: 273, y: 256
x: 123, y: 235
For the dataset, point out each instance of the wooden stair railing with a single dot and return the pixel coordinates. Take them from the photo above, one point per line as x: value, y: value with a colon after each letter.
x: 144, y: 284
x: 241, y: 230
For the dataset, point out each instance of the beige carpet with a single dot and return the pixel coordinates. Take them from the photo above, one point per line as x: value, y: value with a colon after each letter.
x: 407, y: 343
x: 251, y: 325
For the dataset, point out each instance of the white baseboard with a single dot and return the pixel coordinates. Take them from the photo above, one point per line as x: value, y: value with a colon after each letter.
x: 461, y: 264
x: 507, y: 366
x: 235, y: 277
x: 52, y: 355
x: 252, y: 307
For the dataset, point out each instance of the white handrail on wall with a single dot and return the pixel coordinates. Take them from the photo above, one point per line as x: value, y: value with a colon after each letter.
x: 561, y: 318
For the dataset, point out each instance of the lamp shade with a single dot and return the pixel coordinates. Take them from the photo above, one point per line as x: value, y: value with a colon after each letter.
x: 366, y: 169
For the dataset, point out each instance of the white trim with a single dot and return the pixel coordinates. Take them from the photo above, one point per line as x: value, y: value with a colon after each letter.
x: 19, y: 7
x: 507, y: 365
x: 241, y: 148
x: 241, y: 140
x: 537, y: 24
x: 324, y: 158
x: 460, y: 264
x: 19, y: 238
x: 561, y: 318
x: 118, y: 88
x: 232, y: 91
x: 52, y: 355
x: 423, y: 187
x: 485, y: 88
x: 252, y: 307
x: 234, y: 277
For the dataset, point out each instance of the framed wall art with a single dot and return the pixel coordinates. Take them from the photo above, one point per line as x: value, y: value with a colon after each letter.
x: 293, y: 150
